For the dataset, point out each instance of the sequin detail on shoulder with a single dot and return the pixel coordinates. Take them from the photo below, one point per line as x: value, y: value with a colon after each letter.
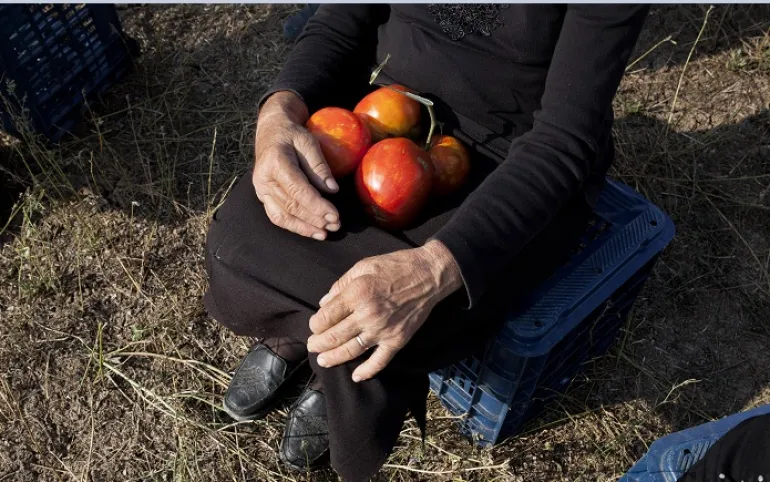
x: 459, y: 20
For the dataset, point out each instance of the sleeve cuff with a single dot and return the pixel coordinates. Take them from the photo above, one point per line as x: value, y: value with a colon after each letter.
x: 470, y: 274
x: 279, y: 88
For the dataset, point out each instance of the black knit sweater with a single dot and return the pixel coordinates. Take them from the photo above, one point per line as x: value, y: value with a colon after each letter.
x: 528, y: 85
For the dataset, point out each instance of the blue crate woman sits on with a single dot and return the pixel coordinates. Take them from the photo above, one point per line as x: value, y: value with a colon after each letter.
x: 293, y: 262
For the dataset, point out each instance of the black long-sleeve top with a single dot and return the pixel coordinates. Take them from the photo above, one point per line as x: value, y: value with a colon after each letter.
x: 534, y: 90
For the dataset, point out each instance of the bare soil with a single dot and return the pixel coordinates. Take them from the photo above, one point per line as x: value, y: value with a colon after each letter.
x: 110, y: 370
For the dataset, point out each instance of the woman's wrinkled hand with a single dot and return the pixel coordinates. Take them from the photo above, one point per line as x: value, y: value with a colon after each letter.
x: 290, y: 170
x: 383, y: 301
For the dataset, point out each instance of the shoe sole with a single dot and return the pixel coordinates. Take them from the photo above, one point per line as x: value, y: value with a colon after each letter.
x: 297, y: 468
x: 250, y: 417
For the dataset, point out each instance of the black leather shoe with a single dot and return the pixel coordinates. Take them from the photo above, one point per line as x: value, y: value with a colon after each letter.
x: 257, y: 383
x: 305, y: 441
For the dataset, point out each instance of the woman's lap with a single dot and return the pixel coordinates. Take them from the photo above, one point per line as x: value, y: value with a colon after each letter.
x: 262, y: 275
x: 284, y: 274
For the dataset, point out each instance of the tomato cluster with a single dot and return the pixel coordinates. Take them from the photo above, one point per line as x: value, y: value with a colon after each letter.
x: 394, y: 177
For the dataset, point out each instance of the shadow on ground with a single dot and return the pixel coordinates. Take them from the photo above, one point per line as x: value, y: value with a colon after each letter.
x: 727, y: 28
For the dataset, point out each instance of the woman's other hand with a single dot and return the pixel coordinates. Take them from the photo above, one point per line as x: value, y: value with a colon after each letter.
x: 383, y: 301
x: 290, y: 170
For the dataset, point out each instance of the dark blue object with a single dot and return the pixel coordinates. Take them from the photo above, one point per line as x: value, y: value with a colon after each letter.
x: 573, y: 317
x: 296, y: 23
x: 672, y: 456
x: 53, y: 57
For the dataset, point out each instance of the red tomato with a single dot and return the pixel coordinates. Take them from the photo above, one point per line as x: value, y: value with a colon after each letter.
x: 343, y: 137
x: 388, y: 113
x: 394, y: 181
x: 451, y: 164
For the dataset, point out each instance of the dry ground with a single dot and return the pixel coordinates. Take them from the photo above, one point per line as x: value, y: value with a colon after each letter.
x: 111, y: 371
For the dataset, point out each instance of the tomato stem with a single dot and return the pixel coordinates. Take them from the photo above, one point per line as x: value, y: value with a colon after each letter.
x: 428, y: 105
x: 433, y: 124
x: 422, y: 100
x: 377, y: 70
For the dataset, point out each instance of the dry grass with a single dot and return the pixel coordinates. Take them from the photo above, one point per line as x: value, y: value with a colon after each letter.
x: 112, y: 371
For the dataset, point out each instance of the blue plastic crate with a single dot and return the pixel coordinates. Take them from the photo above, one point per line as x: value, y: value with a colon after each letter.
x: 573, y: 317
x: 672, y: 456
x: 53, y: 57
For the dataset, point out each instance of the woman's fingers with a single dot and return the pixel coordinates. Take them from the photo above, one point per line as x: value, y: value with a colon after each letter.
x: 334, y: 337
x: 291, y: 206
x: 375, y: 363
x: 282, y: 219
x: 350, y: 350
x: 286, y: 204
x: 308, y: 201
x: 313, y: 163
x: 279, y: 176
x: 328, y: 316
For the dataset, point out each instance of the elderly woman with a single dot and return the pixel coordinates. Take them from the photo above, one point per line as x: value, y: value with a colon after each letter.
x: 293, y: 262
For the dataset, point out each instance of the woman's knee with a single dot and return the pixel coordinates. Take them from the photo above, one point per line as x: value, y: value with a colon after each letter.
x: 217, y: 233
x: 233, y: 216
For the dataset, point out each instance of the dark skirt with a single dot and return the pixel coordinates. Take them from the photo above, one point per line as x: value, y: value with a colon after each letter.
x: 266, y: 282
